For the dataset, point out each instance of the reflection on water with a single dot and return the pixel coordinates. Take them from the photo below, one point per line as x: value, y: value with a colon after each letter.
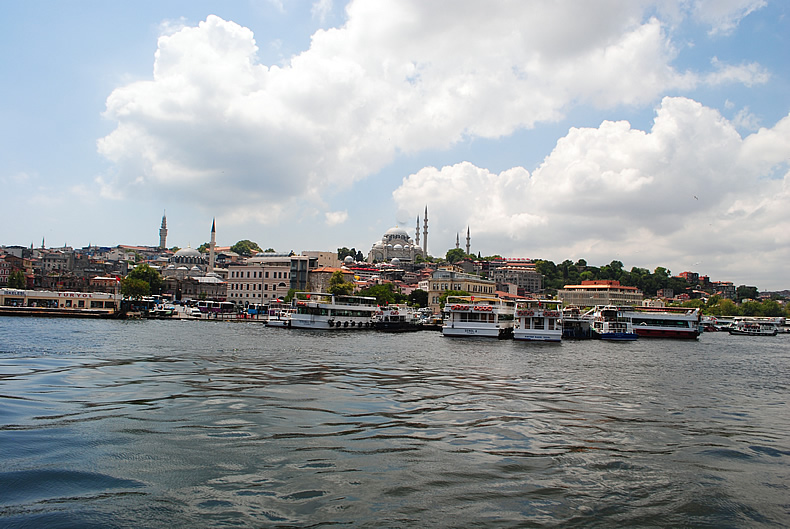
x: 207, y: 423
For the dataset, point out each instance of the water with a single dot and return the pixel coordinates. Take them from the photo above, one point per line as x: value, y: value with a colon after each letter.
x: 172, y: 424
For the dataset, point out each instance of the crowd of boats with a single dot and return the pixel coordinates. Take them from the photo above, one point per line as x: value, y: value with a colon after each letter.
x: 541, y: 320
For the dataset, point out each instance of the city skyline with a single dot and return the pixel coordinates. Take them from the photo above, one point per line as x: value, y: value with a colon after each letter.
x: 653, y: 133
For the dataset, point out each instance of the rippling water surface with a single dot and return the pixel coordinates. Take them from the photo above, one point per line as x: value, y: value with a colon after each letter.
x: 169, y: 424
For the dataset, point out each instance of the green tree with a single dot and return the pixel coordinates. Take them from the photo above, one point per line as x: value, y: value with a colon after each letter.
x: 344, y: 252
x: 454, y: 255
x: 744, y: 292
x: 245, y: 248
x: 135, y: 288
x: 204, y: 248
x: 269, y: 250
x: 418, y: 298
x: 384, y: 294
x: 16, y: 279
x: 339, y: 286
x: 151, y: 276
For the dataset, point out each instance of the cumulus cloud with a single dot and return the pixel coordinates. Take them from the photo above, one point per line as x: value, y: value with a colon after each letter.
x: 333, y: 218
x: 689, y: 187
x: 218, y: 129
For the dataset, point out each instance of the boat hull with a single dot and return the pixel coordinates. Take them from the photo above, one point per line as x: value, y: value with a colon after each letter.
x: 666, y: 333
x: 618, y: 336
x: 481, y: 332
x: 537, y: 336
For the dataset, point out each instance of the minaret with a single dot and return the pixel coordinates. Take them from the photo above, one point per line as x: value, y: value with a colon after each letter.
x: 417, y: 233
x: 468, y: 240
x: 163, y: 232
x: 457, y: 241
x: 211, y: 246
x: 425, y: 234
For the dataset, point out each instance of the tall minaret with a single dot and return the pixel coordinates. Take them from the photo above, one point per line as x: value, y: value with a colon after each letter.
x: 417, y: 233
x: 211, y: 246
x: 425, y: 234
x: 163, y: 232
x: 457, y: 241
x: 468, y: 240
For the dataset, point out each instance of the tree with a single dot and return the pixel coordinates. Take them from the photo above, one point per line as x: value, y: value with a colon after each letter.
x: 744, y: 292
x: 145, y: 273
x: 339, y: 286
x: 245, y: 248
x: 204, y: 248
x: 134, y: 288
x: 384, y: 294
x: 16, y: 279
x: 344, y: 252
x: 360, y: 258
x: 454, y: 255
x: 419, y: 298
x: 269, y: 250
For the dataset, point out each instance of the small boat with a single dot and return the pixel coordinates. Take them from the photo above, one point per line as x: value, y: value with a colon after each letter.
x: 279, y: 315
x: 474, y: 316
x: 574, y: 324
x: 398, y: 318
x: 611, y: 323
x: 754, y: 327
x: 538, y: 320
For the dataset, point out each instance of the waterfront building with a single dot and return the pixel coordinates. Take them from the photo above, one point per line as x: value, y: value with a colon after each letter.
x: 599, y: 292
x: 521, y: 273
x: 444, y: 280
x: 320, y: 277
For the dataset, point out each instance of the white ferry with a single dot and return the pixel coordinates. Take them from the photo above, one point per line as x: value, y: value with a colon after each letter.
x: 746, y: 326
x: 319, y: 310
x: 474, y: 316
x: 611, y: 323
x: 665, y: 322
x: 538, y: 320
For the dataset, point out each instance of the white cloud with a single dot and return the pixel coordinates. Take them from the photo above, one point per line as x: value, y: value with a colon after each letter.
x: 216, y: 128
x: 746, y: 74
x: 333, y: 218
x: 724, y: 15
x: 690, y: 187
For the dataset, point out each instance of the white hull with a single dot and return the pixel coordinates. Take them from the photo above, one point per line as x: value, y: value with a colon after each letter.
x: 484, y: 332
x: 307, y: 321
x: 534, y: 335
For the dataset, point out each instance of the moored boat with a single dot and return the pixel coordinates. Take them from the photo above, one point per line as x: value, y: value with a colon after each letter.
x: 665, y: 322
x: 611, y: 323
x: 754, y: 327
x: 574, y: 324
x: 474, y: 316
x: 398, y: 318
x: 538, y: 320
x: 319, y: 310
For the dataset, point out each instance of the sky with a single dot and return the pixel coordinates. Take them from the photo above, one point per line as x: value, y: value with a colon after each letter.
x: 655, y: 133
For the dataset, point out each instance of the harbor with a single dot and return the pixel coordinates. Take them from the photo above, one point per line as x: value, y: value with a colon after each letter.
x: 198, y: 422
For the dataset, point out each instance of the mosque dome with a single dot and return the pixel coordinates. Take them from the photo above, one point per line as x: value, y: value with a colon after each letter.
x: 348, y: 260
x: 398, y: 247
x: 397, y: 232
x: 187, y: 252
x: 395, y: 261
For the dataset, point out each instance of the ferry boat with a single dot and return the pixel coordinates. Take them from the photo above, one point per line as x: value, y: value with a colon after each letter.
x: 279, y: 315
x: 754, y: 327
x: 398, y: 318
x: 611, y: 323
x: 474, y: 316
x: 575, y: 325
x: 17, y: 302
x: 665, y: 322
x: 538, y: 320
x: 319, y: 310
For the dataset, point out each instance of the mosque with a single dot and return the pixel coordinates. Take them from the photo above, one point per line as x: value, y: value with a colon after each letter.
x: 396, y: 246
